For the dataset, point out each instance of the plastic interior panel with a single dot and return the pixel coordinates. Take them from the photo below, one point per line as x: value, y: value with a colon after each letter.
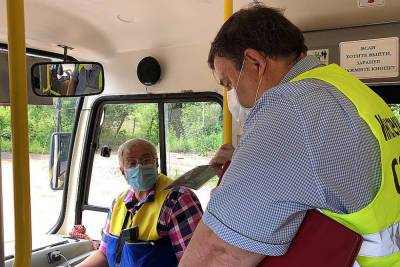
x: 75, y: 251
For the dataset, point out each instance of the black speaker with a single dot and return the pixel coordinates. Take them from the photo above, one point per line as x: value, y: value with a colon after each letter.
x: 148, y: 71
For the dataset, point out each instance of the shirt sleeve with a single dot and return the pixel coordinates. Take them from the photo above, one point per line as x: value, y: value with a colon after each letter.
x: 265, y: 192
x: 179, y: 218
x: 106, y: 230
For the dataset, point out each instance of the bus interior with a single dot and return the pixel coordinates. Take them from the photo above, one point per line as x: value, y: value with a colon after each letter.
x: 73, y: 141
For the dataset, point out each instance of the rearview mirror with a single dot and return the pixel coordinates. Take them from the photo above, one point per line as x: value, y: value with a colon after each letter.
x: 58, y: 159
x: 67, y: 79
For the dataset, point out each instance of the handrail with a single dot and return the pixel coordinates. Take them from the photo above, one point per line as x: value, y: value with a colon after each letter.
x: 1, y: 219
x: 228, y: 8
x: 48, y: 83
x: 48, y: 88
x: 19, y: 130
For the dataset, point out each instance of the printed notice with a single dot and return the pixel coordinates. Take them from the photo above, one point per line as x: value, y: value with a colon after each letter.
x: 374, y: 58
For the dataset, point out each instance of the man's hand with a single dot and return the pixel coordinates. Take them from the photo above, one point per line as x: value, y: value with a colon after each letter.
x: 223, y: 155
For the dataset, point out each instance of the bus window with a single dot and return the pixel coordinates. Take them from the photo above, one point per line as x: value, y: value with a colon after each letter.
x: 193, y: 132
x: 45, y: 200
x: 121, y: 122
x: 46, y: 118
x: 396, y: 109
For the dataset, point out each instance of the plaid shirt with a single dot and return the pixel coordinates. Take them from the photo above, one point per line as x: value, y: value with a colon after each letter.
x: 178, y: 217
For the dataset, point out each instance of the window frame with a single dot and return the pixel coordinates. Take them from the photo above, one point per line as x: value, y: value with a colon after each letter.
x: 389, y: 92
x: 62, y: 211
x: 93, y: 130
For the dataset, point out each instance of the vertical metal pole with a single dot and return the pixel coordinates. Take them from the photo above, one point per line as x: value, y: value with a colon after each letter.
x: 58, y: 114
x: 1, y: 218
x: 58, y: 130
x: 203, y: 115
x: 19, y: 130
x: 228, y: 9
x: 162, y: 137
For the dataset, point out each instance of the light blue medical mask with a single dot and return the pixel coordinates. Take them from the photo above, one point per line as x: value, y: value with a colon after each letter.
x: 142, y: 177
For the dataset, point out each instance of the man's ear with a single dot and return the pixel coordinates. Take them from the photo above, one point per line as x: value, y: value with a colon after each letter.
x: 122, y: 171
x: 257, y: 59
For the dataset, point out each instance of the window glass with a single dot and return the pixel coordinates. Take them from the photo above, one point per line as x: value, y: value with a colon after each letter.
x: 120, y: 123
x: 194, y: 133
x: 43, y: 122
x: 396, y: 109
x: 94, y: 222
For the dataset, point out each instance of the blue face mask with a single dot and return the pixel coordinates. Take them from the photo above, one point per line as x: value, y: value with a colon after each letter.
x: 142, y: 177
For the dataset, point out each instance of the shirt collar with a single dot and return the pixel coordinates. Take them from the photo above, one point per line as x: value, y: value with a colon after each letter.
x: 305, y: 64
x: 132, y: 203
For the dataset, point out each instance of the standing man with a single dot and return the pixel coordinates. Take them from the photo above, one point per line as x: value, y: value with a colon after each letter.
x: 315, y: 137
x: 86, y: 79
x: 146, y: 226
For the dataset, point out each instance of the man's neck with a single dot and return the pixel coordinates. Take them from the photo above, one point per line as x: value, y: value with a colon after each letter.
x: 140, y: 195
x: 277, y: 71
x: 289, y: 65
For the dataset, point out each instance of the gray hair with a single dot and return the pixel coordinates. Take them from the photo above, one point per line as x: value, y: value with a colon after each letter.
x: 131, y: 142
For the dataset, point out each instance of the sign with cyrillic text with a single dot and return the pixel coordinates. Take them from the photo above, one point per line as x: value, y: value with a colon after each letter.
x: 374, y: 58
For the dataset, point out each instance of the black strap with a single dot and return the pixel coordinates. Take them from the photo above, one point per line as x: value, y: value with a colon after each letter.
x: 122, y: 238
x: 130, y: 234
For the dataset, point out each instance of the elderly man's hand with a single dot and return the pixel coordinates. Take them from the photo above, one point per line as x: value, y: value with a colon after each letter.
x: 223, y: 155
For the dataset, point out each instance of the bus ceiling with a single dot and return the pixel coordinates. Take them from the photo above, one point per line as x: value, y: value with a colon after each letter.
x: 177, y: 23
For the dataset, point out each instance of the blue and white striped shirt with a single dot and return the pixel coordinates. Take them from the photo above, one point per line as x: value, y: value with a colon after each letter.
x: 304, y: 146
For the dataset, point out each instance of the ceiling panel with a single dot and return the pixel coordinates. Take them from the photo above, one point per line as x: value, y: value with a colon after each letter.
x: 98, y: 29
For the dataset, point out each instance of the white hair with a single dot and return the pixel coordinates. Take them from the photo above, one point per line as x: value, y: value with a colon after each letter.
x: 131, y: 142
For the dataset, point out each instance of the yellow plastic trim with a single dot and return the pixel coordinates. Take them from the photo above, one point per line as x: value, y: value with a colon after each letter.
x: 19, y: 130
x: 228, y: 8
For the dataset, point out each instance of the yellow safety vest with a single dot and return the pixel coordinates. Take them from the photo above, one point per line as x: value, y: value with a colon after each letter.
x: 146, y: 218
x: 379, y: 221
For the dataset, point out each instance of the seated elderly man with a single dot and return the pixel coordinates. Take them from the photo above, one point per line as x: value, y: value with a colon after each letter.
x: 146, y: 226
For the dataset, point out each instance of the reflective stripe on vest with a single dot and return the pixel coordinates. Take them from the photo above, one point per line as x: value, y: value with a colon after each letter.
x: 378, y: 221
